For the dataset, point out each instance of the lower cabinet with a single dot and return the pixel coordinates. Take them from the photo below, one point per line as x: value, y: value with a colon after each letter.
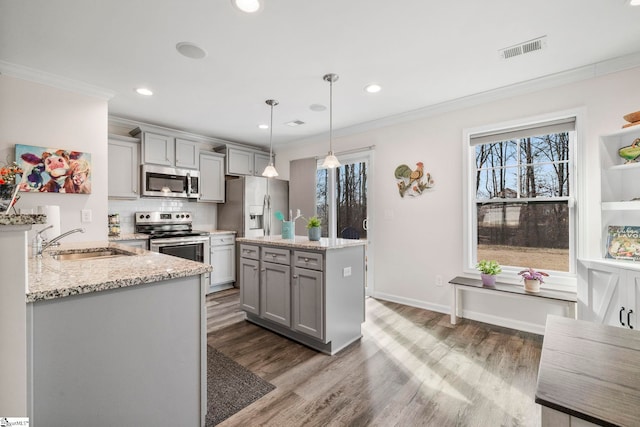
x: 609, y: 294
x: 291, y: 291
x: 308, y: 302
x: 223, y: 261
x: 250, y: 285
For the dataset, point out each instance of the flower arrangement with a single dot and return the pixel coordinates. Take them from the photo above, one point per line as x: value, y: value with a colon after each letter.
x: 8, y: 181
x: 531, y: 274
x: 489, y: 267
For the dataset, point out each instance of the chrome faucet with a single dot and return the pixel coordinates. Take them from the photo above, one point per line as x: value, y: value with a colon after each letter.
x: 48, y: 243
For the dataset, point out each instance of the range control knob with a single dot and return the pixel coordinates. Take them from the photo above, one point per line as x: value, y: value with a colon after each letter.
x: 148, y: 216
x: 141, y: 216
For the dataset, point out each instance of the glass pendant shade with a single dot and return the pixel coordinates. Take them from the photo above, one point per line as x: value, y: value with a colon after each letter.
x: 331, y: 161
x: 270, y: 171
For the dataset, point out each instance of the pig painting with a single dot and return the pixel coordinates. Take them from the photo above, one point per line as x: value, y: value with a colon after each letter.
x: 52, y: 170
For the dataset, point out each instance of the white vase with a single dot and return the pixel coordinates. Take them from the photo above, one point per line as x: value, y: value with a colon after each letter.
x: 531, y: 285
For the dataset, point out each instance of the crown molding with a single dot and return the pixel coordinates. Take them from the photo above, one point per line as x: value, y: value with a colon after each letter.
x: 53, y: 80
x: 550, y: 81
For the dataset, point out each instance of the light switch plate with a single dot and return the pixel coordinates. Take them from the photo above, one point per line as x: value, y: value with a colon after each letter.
x: 86, y: 215
x: 346, y: 272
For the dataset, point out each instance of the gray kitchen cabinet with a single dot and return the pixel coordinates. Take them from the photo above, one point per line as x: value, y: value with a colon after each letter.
x: 241, y: 161
x: 124, y: 160
x: 308, y: 302
x: 212, y: 177
x: 187, y: 154
x: 249, y: 271
x: 223, y: 261
x: 275, y: 286
x: 315, y: 297
x: 167, y: 150
x: 260, y: 161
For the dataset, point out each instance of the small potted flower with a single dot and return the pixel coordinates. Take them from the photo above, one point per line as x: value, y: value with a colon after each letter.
x: 532, y: 279
x: 488, y: 271
x: 313, y: 227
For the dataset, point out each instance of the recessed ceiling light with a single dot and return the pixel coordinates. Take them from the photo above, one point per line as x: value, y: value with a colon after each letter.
x: 247, y: 6
x: 144, y: 91
x: 294, y: 123
x: 263, y: 126
x: 634, y: 2
x: 317, y: 107
x: 190, y: 50
x: 373, y: 88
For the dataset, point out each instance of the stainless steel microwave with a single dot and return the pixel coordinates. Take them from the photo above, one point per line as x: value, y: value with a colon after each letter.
x: 161, y: 181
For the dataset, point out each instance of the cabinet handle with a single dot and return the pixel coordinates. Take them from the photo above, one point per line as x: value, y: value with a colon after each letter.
x: 255, y: 268
x: 629, y: 319
x: 620, y: 316
x: 273, y: 255
x: 295, y: 276
x: 306, y: 260
x: 263, y: 270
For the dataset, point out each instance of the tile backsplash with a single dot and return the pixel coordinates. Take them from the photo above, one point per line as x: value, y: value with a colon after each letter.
x: 204, y: 214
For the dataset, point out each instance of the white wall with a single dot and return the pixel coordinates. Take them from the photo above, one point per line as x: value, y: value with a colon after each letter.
x: 419, y: 238
x: 41, y: 115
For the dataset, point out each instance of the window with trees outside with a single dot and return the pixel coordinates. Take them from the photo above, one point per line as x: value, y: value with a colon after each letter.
x: 351, y: 199
x: 522, y: 211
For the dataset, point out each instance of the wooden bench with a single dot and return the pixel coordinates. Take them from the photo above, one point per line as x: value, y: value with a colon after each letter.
x: 567, y: 299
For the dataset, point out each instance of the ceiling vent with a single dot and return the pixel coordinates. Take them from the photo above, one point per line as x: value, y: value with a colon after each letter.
x: 524, y: 48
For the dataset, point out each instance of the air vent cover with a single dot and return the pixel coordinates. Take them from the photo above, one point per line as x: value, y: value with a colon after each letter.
x: 524, y: 48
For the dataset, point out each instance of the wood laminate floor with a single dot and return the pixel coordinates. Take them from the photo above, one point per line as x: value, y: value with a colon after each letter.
x: 411, y: 368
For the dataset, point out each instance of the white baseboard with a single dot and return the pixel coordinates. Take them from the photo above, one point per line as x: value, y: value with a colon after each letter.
x: 467, y: 314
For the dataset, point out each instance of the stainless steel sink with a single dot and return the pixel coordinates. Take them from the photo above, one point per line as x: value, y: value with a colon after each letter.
x: 98, y: 253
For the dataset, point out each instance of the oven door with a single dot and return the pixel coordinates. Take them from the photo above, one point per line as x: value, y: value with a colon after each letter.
x: 194, y: 248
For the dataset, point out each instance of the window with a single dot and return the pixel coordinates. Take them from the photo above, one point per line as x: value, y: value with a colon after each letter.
x: 351, y: 197
x: 521, y: 188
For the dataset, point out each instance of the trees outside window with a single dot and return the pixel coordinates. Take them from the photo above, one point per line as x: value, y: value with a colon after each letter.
x: 351, y: 197
x: 522, y: 179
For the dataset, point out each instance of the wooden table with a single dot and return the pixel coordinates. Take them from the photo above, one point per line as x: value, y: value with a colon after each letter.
x: 567, y: 299
x: 589, y: 372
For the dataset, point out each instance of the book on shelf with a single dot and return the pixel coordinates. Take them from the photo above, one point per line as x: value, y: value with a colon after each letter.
x: 623, y: 242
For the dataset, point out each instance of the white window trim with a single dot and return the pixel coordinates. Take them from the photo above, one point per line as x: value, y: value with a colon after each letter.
x: 558, y: 281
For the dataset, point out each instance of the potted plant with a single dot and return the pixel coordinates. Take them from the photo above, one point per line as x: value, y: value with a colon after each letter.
x: 532, y: 279
x: 313, y: 227
x: 488, y: 271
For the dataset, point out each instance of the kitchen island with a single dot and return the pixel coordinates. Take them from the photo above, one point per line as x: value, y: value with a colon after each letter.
x: 116, y: 340
x: 309, y: 291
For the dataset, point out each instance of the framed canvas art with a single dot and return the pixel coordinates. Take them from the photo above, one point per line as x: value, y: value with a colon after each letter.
x: 54, y: 170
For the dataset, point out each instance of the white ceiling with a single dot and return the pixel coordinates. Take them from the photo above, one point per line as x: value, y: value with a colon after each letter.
x: 422, y: 52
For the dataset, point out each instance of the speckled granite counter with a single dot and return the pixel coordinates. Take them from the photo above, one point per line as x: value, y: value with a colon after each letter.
x: 22, y: 219
x: 50, y: 279
x: 129, y: 236
x: 303, y: 242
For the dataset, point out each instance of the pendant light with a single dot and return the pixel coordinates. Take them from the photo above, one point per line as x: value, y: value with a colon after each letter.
x: 331, y: 161
x: 270, y: 171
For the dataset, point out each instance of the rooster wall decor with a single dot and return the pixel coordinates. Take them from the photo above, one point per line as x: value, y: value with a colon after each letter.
x: 413, y: 182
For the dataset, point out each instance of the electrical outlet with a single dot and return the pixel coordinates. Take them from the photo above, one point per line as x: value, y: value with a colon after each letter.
x: 86, y: 215
x: 439, y: 281
x: 346, y: 272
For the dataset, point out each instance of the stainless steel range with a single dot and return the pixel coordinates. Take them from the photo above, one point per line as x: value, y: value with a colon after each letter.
x: 171, y: 233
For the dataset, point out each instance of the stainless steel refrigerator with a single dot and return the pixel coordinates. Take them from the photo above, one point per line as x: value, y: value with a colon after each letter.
x: 250, y: 205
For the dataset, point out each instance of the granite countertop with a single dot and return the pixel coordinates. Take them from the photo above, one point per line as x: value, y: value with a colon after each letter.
x: 51, y: 279
x: 303, y: 242
x: 23, y: 219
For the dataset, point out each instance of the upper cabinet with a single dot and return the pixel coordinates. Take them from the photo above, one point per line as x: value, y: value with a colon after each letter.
x: 242, y: 161
x: 124, y: 159
x: 167, y: 150
x: 211, y: 177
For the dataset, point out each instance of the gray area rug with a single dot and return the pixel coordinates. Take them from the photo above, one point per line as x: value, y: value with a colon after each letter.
x: 230, y: 387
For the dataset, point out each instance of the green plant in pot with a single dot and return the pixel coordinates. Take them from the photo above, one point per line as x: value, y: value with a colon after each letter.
x: 488, y: 271
x: 313, y: 227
